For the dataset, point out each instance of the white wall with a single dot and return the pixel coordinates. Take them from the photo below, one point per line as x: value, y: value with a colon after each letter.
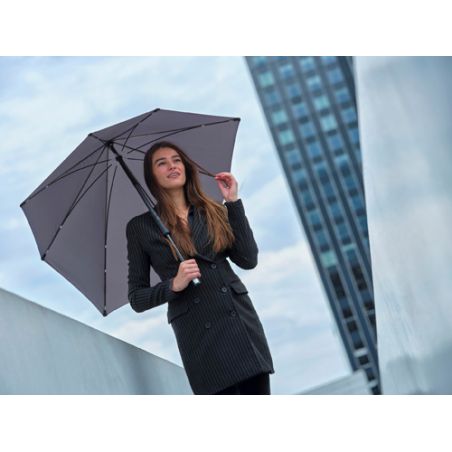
x: 405, y: 121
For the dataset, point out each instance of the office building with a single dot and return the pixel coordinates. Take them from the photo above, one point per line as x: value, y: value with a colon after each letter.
x: 310, y: 107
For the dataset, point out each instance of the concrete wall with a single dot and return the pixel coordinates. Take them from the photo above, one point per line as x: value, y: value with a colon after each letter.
x: 405, y: 122
x: 354, y: 384
x: 44, y: 352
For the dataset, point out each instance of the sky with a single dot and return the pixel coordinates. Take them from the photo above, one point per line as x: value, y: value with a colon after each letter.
x: 47, y: 107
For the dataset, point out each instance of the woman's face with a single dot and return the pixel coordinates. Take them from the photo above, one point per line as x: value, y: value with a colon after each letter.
x: 168, y: 168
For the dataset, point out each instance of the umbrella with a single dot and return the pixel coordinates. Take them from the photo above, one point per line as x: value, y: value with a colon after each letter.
x: 78, y: 214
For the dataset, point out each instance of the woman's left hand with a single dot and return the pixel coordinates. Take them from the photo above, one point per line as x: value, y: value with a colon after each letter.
x: 228, y: 186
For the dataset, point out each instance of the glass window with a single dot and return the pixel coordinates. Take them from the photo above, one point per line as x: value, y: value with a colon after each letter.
x: 314, y: 83
x: 293, y: 156
x: 349, y: 182
x: 328, y: 123
x: 352, y: 326
x: 349, y: 115
x: 343, y: 231
x: 335, y: 209
x: 293, y: 90
x: 363, y: 224
x: 328, y: 259
x: 314, y: 149
x: 321, y: 170
x: 354, y: 136
x: 279, y: 117
x: 307, y: 198
x: 286, y: 137
x: 363, y: 360
x: 321, y: 238
x: 321, y: 102
x: 300, y: 110
x: 272, y: 98
x: 335, y: 76
x: 307, y: 63
x: 314, y: 217
x: 349, y: 250
x: 344, y: 166
x: 339, y: 289
x: 327, y: 188
x: 334, y: 142
x: 359, y: 277
x: 258, y: 60
x: 265, y: 79
x: 286, y: 71
x: 299, y: 175
x: 342, y: 95
x: 307, y: 129
x: 357, y: 201
x: 342, y: 161
x: 356, y: 338
x: 328, y: 59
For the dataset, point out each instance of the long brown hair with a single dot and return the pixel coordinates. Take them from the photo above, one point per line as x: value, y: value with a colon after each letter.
x: 220, y: 233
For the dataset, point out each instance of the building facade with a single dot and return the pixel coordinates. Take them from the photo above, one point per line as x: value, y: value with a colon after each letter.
x: 310, y: 107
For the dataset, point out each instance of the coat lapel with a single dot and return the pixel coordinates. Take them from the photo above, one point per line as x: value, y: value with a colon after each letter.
x: 200, y: 236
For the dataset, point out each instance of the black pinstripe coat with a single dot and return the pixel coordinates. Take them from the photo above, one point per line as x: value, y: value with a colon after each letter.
x: 218, y: 332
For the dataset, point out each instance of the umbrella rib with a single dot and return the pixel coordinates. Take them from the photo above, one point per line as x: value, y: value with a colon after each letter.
x: 64, y: 174
x: 173, y: 132
x: 183, y: 129
x: 72, y: 172
x: 74, y: 203
x: 107, y: 214
x: 124, y: 131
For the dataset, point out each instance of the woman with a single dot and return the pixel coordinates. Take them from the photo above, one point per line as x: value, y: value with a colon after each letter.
x: 218, y: 332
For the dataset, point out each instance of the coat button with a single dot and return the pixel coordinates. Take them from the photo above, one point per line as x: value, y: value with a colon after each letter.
x: 213, y: 265
x: 233, y: 313
x: 207, y: 325
x: 196, y: 300
x: 224, y: 289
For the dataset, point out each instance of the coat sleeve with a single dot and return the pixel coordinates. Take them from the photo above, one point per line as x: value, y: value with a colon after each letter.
x: 140, y: 294
x: 244, y: 250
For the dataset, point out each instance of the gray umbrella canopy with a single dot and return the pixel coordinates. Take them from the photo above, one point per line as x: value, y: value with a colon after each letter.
x: 78, y: 215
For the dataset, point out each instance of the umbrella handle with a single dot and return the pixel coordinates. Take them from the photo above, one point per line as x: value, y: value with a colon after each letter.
x: 195, y: 281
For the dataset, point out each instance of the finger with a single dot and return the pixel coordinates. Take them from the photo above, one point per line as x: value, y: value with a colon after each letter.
x: 221, y: 184
x: 224, y: 175
x: 191, y: 267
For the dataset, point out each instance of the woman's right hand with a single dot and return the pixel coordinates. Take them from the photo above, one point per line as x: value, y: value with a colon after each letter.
x: 188, y: 270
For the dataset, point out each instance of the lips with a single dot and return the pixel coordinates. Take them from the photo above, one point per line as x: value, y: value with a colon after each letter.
x: 173, y: 175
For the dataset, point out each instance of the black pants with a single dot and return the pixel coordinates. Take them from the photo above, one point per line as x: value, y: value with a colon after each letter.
x: 257, y: 385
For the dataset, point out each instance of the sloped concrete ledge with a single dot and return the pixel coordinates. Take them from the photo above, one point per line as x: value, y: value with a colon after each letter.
x: 44, y: 352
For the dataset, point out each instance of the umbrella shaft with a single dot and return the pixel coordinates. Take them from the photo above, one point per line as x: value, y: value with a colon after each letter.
x: 150, y: 206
